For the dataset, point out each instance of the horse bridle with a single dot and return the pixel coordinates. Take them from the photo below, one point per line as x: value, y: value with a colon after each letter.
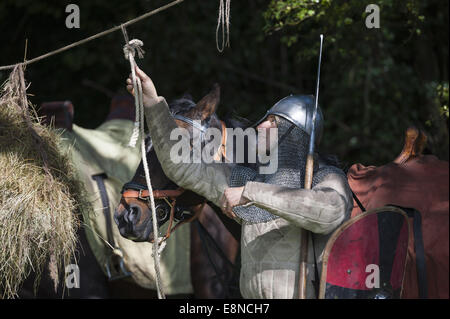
x: 221, y: 152
x: 170, y: 196
x: 193, y: 123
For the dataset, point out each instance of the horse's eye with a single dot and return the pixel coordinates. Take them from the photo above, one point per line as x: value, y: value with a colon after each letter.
x: 161, y: 211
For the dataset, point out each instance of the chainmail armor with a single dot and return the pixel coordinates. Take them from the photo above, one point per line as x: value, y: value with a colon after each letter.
x: 292, y: 153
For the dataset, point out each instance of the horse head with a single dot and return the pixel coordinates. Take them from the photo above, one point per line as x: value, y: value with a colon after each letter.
x: 133, y: 215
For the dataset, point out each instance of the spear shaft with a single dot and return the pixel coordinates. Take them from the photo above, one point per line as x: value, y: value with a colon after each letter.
x: 308, y: 183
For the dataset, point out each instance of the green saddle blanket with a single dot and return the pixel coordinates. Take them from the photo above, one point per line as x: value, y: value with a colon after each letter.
x: 104, y: 150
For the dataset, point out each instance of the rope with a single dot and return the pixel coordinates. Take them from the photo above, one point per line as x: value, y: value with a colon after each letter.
x: 95, y: 36
x: 129, y: 50
x: 223, y: 21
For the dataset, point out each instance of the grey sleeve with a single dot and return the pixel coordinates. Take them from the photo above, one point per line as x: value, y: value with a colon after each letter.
x: 207, y: 180
x: 320, y: 210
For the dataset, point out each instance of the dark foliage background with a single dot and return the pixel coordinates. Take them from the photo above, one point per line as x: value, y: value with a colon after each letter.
x: 375, y: 82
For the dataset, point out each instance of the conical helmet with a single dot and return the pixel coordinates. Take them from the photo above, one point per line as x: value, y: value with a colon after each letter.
x: 298, y: 109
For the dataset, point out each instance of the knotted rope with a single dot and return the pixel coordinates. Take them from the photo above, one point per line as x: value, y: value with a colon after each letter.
x: 224, y: 22
x: 129, y: 50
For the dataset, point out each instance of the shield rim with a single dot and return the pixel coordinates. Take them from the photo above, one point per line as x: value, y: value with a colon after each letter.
x: 343, y: 227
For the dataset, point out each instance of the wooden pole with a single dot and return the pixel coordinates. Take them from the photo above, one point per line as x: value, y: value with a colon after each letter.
x: 308, y: 183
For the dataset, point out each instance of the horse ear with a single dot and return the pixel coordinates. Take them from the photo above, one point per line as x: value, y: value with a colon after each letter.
x: 208, y: 104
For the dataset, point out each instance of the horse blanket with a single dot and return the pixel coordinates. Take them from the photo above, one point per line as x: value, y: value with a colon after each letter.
x: 421, y: 183
x: 104, y: 150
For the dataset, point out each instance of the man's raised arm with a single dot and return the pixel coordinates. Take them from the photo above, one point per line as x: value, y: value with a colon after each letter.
x: 207, y: 180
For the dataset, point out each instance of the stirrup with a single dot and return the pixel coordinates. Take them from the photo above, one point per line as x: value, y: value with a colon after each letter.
x: 111, y: 268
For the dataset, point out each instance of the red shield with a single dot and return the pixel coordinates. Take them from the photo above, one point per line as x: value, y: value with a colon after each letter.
x: 365, y: 258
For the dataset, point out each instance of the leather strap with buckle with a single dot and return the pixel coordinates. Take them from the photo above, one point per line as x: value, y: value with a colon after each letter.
x: 144, y: 194
x: 114, y: 265
x: 172, y: 194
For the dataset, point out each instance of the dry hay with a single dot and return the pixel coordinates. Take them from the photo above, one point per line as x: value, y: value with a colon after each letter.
x: 40, y: 197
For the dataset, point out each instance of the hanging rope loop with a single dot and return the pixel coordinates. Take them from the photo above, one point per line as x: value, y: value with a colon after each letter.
x: 223, y: 21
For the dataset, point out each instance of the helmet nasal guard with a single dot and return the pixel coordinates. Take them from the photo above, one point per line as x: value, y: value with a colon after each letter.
x: 298, y: 109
